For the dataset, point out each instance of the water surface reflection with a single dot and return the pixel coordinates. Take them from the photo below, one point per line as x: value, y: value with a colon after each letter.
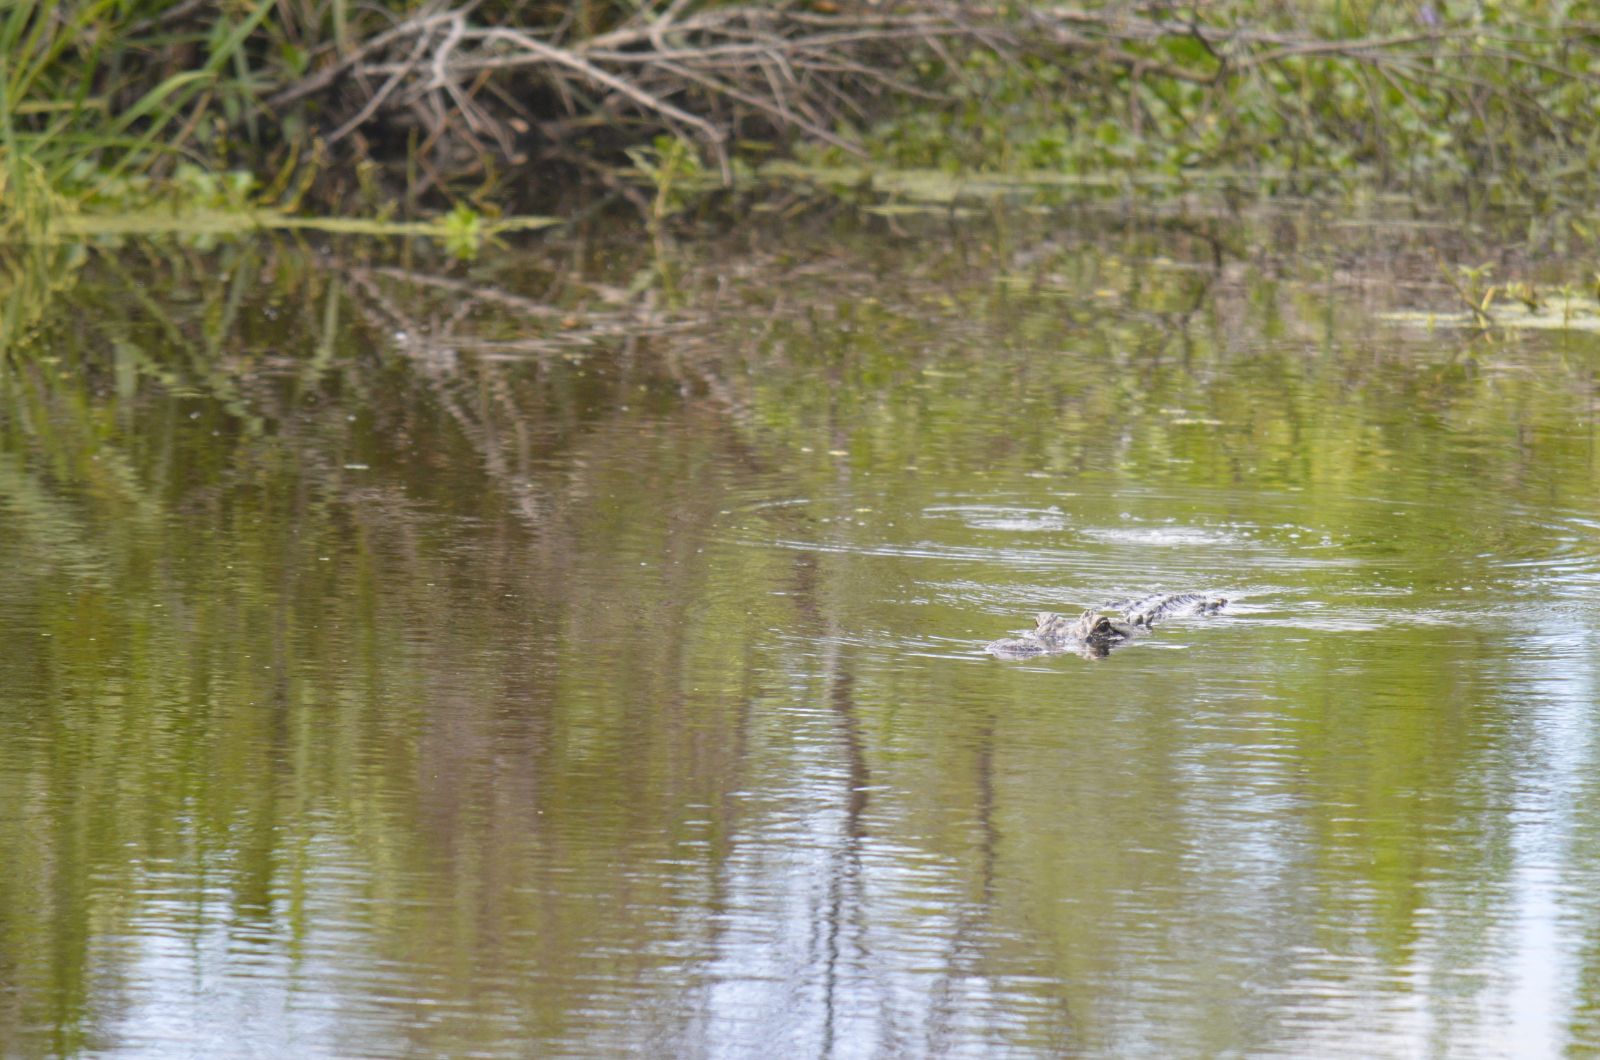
x: 479, y: 691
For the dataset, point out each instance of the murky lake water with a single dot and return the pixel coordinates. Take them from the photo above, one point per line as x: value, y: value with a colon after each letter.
x: 393, y: 668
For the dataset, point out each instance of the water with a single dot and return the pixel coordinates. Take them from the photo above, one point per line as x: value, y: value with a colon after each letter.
x: 394, y: 669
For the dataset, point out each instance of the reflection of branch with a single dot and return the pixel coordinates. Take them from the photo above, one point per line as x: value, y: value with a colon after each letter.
x: 474, y: 291
x: 561, y: 328
x: 477, y: 394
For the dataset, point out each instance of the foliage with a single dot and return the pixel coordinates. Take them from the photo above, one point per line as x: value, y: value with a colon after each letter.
x: 463, y: 232
x: 132, y: 104
x: 76, y: 100
x: 1492, y: 99
x: 671, y: 165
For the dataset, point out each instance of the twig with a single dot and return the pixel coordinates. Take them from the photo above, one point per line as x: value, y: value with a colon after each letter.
x: 572, y: 61
x: 382, y: 95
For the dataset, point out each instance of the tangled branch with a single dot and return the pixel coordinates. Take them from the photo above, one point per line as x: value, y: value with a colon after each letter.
x: 474, y: 91
x: 694, y: 75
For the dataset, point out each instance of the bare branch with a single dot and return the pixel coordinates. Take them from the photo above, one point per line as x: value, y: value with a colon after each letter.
x: 707, y: 71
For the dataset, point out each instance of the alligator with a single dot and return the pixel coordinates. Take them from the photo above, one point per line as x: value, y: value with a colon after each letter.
x: 1093, y: 634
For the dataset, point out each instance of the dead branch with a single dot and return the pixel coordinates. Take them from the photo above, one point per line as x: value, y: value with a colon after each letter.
x: 698, y: 74
x: 466, y: 87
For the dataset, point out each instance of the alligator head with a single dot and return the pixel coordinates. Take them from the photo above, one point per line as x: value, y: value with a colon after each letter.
x: 1090, y: 634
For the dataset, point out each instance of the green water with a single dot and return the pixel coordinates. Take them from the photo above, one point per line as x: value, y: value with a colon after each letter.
x: 396, y: 669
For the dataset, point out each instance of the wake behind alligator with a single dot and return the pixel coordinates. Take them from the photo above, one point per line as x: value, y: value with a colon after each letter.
x: 1093, y: 634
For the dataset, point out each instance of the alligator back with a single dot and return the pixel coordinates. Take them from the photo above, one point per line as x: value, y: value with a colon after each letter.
x: 1148, y: 610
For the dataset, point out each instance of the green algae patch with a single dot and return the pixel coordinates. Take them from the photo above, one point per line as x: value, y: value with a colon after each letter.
x: 232, y: 222
x: 1577, y: 314
x: 941, y: 187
